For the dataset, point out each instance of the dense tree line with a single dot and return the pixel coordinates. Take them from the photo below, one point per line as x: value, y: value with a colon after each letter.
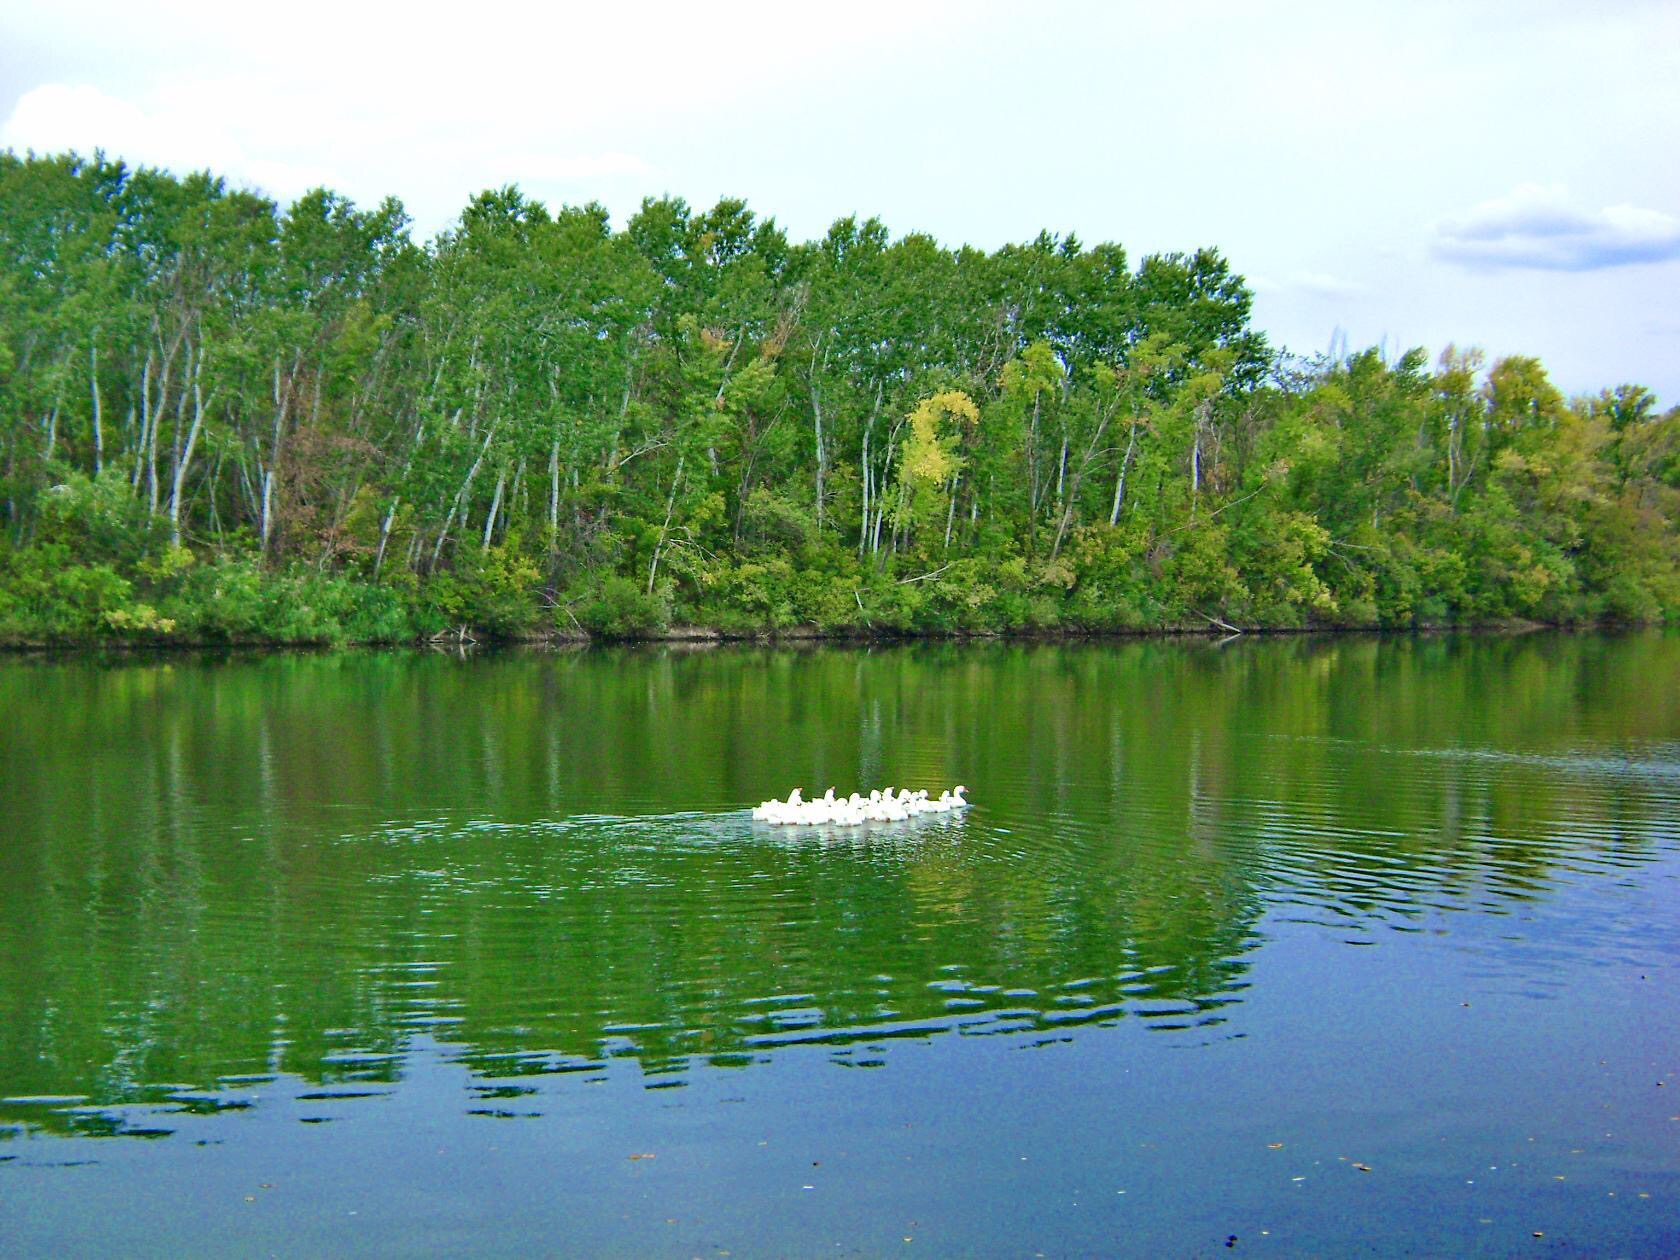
x: 219, y: 419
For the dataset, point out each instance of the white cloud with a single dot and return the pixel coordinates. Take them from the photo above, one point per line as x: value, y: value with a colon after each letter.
x: 233, y: 130
x: 1538, y: 227
x: 180, y: 134
x: 60, y: 116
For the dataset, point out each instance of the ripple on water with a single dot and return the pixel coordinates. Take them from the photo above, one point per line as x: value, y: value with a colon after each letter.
x: 1107, y: 876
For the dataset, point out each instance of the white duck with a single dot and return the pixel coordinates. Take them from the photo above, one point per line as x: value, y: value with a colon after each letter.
x: 950, y: 800
x: 889, y: 805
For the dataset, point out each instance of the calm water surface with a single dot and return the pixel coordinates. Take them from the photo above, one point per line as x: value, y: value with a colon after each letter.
x: 1298, y: 946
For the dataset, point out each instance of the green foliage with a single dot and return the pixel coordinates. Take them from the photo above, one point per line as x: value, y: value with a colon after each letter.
x: 619, y: 609
x: 1279, y: 571
x: 223, y: 419
x: 774, y: 522
x: 97, y: 518
x: 232, y: 599
x: 46, y: 597
x: 493, y: 591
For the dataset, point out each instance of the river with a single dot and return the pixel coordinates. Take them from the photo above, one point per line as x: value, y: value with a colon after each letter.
x: 1334, y: 945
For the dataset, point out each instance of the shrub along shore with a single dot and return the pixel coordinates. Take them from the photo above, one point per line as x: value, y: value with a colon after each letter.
x: 224, y: 421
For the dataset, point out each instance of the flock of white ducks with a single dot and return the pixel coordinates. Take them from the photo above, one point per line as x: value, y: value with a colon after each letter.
x: 855, y: 810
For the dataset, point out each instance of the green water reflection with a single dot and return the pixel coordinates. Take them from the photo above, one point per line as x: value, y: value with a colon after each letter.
x: 219, y: 869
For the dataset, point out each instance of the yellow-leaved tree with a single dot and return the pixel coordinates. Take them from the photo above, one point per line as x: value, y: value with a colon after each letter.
x: 931, y: 464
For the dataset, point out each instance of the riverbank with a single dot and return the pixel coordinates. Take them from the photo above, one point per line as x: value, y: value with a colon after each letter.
x: 319, y: 431
x: 794, y: 637
x: 76, y: 586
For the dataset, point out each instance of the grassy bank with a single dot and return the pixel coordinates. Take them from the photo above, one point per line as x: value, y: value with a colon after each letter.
x: 47, y: 599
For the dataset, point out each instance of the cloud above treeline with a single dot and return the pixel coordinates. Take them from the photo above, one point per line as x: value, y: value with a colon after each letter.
x: 1538, y: 227
x: 174, y: 130
x: 177, y: 135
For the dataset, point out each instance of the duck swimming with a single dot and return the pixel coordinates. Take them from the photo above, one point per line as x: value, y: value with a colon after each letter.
x: 855, y: 810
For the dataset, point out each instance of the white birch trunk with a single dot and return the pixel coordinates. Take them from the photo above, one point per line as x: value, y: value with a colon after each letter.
x: 554, y: 496
x: 1120, y: 481
x: 495, y: 507
x: 463, y: 494
x: 145, y: 422
x: 385, y: 536
x: 98, y: 412
x: 184, y: 460
x: 665, y: 529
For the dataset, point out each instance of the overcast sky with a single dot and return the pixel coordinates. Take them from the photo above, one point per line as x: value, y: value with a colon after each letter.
x: 1497, y: 174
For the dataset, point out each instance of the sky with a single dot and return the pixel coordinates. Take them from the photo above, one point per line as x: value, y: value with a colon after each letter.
x: 1494, y: 174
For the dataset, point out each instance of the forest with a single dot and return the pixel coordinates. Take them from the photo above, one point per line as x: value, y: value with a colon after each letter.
x: 222, y: 420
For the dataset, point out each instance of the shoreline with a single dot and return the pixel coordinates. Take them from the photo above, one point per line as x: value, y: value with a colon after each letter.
x: 706, y: 637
